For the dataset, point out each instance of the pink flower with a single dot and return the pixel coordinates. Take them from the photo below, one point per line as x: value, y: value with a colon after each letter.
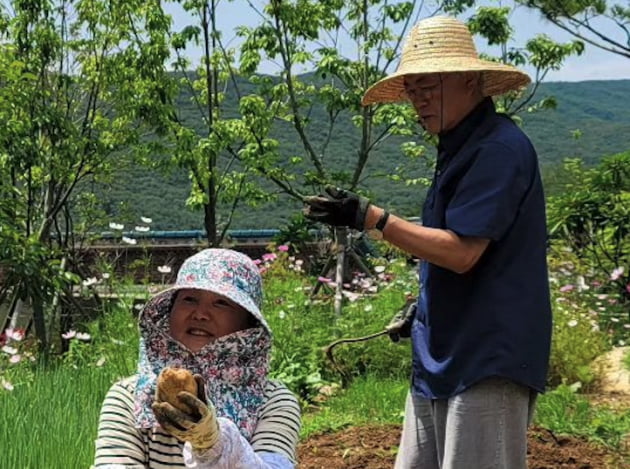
x: 628, y: 288
x: 566, y: 288
x: 283, y: 248
x: 257, y: 261
x: 324, y: 280
x: 69, y: 335
x: 7, y: 385
x: 15, y: 334
x: 270, y: 256
x: 15, y: 358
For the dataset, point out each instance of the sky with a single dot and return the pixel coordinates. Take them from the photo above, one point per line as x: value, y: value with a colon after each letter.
x: 593, y: 64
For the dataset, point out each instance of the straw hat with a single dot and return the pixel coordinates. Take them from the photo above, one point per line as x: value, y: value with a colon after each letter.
x: 441, y: 45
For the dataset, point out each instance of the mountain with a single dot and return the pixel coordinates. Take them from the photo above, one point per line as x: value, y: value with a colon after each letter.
x: 598, y: 109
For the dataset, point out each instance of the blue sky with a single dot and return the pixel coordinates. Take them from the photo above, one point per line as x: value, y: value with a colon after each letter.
x: 593, y: 64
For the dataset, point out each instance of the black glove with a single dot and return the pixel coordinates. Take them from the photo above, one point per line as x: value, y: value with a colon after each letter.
x: 400, y: 325
x: 337, y: 207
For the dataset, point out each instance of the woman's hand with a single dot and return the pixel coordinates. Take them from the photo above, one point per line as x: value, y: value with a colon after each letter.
x: 199, y: 426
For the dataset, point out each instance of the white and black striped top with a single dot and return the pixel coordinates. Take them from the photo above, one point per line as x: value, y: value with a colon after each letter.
x: 119, y: 442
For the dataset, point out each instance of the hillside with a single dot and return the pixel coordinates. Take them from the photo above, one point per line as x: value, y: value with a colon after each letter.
x: 597, y: 108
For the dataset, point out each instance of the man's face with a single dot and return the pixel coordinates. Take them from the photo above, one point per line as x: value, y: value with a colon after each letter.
x: 440, y: 106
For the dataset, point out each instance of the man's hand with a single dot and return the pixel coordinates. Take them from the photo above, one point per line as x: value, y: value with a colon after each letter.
x: 400, y: 325
x: 337, y: 207
x: 200, y: 427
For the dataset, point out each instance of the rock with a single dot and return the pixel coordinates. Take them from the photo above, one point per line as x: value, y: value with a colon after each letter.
x: 613, y: 373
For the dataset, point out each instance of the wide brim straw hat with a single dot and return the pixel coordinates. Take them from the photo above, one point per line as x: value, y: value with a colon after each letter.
x: 443, y: 45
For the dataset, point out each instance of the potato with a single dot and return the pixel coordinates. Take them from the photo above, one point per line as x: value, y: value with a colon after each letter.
x: 171, y: 382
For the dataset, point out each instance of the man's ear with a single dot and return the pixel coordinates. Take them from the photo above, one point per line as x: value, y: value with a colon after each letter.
x: 473, y: 82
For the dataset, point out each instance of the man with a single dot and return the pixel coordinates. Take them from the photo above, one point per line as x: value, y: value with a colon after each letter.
x: 482, y: 327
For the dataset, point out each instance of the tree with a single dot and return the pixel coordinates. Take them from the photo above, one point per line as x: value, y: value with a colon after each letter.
x: 83, y: 84
x: 587, y: 20
x: 592, y: 215
x: 207, y: 143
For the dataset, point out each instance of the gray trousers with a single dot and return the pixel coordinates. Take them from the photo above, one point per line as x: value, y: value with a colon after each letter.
x: 485, y: 427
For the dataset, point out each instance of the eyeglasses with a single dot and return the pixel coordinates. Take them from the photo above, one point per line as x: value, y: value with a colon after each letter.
x: 424, y: 92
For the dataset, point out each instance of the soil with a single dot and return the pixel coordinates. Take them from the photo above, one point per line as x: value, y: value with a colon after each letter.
x: 374, y: 447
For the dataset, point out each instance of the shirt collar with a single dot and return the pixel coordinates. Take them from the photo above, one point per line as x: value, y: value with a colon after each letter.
x: 452, y: 140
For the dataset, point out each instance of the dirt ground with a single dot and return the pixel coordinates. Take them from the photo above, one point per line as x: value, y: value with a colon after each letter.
x: 374, y: 447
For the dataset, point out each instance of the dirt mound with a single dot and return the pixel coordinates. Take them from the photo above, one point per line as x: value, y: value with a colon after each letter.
x: 374, y: 447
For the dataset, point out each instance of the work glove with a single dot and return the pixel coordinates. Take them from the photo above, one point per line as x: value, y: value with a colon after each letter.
x: 199, y: 426
x: 337, y: 207
x: 400, y: 325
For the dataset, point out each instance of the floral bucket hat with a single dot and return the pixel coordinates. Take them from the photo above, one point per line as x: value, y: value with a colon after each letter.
x: 223, y: 271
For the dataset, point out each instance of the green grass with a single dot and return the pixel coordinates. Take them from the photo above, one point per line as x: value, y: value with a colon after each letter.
x: 564, y: 411
x: 368, y: 400
x: 51, y: 421
x: 626, y: 360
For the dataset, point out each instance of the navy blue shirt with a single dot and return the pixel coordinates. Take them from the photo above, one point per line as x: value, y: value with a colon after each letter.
x: 494, y: 320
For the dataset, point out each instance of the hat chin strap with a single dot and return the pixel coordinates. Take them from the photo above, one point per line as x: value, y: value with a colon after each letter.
x: 441, y: 104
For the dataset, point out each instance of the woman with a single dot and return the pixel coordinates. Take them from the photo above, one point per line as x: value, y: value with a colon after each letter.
x: 209, y: 323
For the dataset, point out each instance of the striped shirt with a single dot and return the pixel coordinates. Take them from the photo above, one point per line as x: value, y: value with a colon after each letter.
x: 120, y: 444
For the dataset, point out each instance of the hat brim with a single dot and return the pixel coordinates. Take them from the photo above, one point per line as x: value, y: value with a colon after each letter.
x: 498, y: 78
x: 234, y: 294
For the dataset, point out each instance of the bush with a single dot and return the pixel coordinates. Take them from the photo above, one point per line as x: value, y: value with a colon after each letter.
x: 304, y: 326
x: 587, y: 322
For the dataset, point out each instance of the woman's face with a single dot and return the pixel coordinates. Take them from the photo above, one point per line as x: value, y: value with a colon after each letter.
x: 199, y: 317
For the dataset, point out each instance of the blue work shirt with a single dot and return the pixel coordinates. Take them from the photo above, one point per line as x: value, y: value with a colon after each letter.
x: 494, y: 320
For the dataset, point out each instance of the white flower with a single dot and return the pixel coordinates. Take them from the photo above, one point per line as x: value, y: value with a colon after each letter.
x: 69, y: 335
x: 100, y: 362
x: 118, y: 342
x: 15, y: 358
x: 581, y: 284
x: 142, y: 229
x: 7, y: 385
x: 379, y: 268
x: 282, y: 314
x: 9, y: 350
x: 146, y: 220
x: 367, y: 308
x: 616, y: 273
x: 116, y: 226
x: 88, y: 282
x: 572, y: 323
x: 105, y: 275
x: 129, y: 240
x: 83, y: 336
x: 351, y: 295
x: 164, y: 269
x: 614, y: 319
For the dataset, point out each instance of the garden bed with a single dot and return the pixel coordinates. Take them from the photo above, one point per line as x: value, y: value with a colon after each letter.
x: 374, y: 447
